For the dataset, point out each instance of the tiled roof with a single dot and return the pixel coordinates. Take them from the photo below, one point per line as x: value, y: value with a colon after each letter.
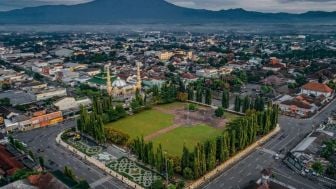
x: 320, y: 87
x: 297, y: 103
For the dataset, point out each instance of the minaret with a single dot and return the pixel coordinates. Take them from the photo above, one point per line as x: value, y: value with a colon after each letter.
x: 108, y: 81
x: 138, y: 84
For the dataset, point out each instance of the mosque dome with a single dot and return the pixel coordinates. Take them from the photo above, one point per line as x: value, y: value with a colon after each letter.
x: 119, y: 83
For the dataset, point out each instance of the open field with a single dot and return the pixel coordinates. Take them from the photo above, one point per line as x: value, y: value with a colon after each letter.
x: 173, y: 126
x: 143, y: 123
x: 173, y: 141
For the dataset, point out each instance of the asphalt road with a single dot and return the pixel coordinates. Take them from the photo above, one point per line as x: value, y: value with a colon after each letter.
x: 239, y: 175
x: 57, y: 157
x: 248, y: 169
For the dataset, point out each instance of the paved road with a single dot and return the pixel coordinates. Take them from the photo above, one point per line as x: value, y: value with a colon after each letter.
x: 44, y: 139
x: 248, y: 169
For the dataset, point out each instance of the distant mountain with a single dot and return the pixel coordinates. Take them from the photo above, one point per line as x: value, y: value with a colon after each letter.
x: 147, y: 11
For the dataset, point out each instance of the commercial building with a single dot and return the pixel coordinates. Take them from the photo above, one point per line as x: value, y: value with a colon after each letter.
x: 50, y: 93
x: 36, y: 120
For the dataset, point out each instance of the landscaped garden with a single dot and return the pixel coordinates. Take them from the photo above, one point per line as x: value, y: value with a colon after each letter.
x: 84, y: 146
x: 135, y: 172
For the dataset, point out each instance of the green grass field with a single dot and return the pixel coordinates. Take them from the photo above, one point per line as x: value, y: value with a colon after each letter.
x: 143, y: 123
x: 173, y: 141
x: 150, y: 121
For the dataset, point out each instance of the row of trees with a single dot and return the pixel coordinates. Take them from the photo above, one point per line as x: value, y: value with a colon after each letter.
x: 103, y: 111
x: 239, y: 134
x: 156, y: 158
x: 247, y: 103
x: 202, y: 94
x: 206, y: 156
x: 91, y: 124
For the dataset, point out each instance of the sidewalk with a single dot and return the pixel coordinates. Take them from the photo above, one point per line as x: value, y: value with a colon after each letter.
x: 97, y: 163
x: 214, y: 173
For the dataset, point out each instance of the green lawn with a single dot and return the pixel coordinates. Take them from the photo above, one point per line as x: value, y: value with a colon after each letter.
x: 172, y: 105
x: 173, y: 141
x: 230, y: 116
x: 143, y: 123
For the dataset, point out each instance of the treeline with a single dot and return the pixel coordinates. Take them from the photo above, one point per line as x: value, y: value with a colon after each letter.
x: 247, y: 103
x: 103, y: 111
x: 200, y: 94
x: 165, y: 94
x: 91, y: 124
x: 154, y: 157
x: 238, y: 134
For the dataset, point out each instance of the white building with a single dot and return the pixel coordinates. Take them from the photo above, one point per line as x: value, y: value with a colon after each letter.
x: 317, y: 89
x: 68, y: 103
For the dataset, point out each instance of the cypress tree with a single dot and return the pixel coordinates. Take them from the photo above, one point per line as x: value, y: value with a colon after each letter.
x: 246, y: 104
x: 208, y: 96
x: 185, y: 160
x: 190, y: 93
x: 233, y: 142
x: 237, y: 104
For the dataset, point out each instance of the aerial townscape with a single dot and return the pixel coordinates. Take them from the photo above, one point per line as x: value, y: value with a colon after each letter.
x: 151, y: 94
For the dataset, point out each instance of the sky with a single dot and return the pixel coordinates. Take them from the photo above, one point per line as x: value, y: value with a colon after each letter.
x: 293, y: 6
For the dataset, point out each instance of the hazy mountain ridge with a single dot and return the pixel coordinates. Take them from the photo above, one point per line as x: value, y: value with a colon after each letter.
x: 146, y: 11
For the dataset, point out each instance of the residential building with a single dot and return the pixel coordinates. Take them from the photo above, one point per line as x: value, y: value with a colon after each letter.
x: 317, y: 89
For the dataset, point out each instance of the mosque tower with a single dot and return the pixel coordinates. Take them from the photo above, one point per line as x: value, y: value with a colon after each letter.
x: 108, y: 81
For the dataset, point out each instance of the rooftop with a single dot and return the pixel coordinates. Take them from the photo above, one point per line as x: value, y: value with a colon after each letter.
x: 320, y: 87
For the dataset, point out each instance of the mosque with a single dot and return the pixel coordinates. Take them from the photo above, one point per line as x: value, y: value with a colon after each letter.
x: 120, y: 87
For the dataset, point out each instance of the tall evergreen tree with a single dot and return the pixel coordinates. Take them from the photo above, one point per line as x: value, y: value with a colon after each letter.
x: 199, y: 94
x: 190, y: 93
x: 237, y: 107
x: 208, y: 96
x: 246, y: 104
x: 225, y: 99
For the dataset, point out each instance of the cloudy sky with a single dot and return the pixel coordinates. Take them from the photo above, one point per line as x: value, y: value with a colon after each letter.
x: 256, y: 5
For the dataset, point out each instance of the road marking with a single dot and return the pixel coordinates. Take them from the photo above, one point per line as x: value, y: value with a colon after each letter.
x: 276, y: 171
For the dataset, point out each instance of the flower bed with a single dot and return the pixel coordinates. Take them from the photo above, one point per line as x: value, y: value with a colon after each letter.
x: 134, y: 172
x: 84, y: 148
